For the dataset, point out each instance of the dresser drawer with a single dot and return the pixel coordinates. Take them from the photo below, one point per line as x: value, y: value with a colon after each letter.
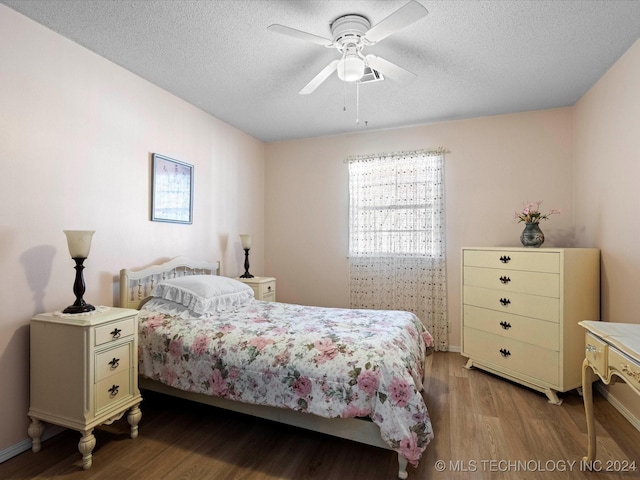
x: 535, y: 306
x: 113, y: 389
x: 629, y: 368
x: 518, y: 357
x: 534, y: 283
x: 538, y: 261
x: 525, y: 329
x: 596, y: 352
x: 115, y: 331
x: 113, y: 361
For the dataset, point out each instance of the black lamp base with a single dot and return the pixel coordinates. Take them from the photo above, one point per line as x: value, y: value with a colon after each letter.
x: 85, y: 307
x: 246, y: 273
x: 79, y: 306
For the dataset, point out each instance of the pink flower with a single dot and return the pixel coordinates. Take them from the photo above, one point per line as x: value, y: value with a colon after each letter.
x: 175, y: 347
x: 400, y: 391
x: 428, y: 340
x: 302, y: 386
x: 368, y: 382
x: 169, y: 376
x: 154, y: 322
x: 353, y: 410
x: 260, y: 343
x: 218, y: 384
x: 281, y: 358
x: 227, y: 328
x: 410, y: 450
x: 200, y: 344
x: 327, y: 350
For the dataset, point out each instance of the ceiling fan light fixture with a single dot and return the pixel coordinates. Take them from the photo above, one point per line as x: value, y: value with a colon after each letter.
x: 350, y: 68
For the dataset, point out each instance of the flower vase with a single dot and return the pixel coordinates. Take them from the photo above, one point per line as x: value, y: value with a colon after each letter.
x: 532, y: 236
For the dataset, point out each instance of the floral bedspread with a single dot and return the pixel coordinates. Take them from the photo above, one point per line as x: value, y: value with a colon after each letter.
x: 325, y: 361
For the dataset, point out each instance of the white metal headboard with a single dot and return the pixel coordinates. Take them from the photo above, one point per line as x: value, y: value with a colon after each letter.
x: 136, y: 285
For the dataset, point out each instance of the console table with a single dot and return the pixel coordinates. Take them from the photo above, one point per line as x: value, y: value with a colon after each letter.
x: 612, y: 353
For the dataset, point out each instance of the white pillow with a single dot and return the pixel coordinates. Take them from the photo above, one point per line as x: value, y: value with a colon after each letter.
x: 204, y: 293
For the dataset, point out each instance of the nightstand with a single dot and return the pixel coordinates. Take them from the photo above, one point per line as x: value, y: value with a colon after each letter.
x: 84, y: 373
x: 264, y: 288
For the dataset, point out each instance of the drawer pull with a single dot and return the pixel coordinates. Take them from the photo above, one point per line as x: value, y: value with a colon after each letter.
x: 505, y: 259
x: 113, y: 391
x: 115, y: 363
x: 505, y: 301
x: 591, y: 348
x: 505, y: 325
x: 504, y: 352
x: 115, y: 333
x: 505, y: 280
x: 269, y: 288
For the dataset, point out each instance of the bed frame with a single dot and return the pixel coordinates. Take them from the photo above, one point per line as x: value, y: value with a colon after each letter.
x: 135, y: 290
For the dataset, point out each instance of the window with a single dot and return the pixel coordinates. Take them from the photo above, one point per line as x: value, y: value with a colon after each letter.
x: 396, y: 237
x: 397, y: 205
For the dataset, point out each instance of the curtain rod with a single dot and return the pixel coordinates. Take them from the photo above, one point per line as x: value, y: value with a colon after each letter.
x: 425, y: 151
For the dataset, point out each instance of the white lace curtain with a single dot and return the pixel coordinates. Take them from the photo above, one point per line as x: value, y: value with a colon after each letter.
x: 397, y: 236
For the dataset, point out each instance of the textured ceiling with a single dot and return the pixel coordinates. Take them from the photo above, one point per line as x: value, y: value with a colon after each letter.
x: 472, y: 58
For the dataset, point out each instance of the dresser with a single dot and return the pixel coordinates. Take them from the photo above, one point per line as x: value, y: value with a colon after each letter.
x: 264, y: 288
x: 520, y: 313
x: 612, y: 352
x: 84, y: 373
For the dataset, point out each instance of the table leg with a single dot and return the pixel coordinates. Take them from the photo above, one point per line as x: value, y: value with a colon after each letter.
x: 588, y: 377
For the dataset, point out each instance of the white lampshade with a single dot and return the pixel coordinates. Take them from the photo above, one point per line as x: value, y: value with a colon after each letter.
x: 245, y: 238
x: 350, y: 67
x: 79, y: 242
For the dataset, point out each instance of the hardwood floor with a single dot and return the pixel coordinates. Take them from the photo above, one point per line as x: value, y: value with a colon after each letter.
x: 485, y: 428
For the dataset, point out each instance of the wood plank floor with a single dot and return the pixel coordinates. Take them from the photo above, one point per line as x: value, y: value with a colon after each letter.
x: 483, y: 426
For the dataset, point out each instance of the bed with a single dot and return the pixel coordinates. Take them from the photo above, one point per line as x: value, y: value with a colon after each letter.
x: 355, y: 374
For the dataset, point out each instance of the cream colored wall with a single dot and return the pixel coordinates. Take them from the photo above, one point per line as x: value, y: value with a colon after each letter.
x: 607, y: 155
x: 76, y: 135
x: 494, y: 164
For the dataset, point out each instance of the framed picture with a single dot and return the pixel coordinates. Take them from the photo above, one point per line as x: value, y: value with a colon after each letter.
x: 171, y: 190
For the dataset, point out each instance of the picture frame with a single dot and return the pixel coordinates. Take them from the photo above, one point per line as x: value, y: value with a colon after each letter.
x: 171, y: 190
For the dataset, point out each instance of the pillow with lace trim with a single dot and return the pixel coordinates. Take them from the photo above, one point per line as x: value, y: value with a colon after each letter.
x: 204, y: 293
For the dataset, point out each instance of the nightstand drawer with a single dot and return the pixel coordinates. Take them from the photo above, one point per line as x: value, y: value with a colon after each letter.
x: 112, y: 390
x: 268, y: 291
x: 115, y: 331
x: 113, y: 361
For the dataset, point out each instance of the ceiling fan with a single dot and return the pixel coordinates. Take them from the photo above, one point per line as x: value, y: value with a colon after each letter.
x: 351, y: 34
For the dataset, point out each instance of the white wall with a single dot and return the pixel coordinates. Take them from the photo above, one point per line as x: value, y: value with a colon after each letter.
x: 494, y: 164
x: 76, y: 137
x: 607, y: 152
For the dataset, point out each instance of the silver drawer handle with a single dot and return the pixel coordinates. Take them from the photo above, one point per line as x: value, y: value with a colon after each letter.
x: 591, y: 348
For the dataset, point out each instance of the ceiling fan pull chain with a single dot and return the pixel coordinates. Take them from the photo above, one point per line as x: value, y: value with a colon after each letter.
x: 357, y: 101
x: 344, y: 97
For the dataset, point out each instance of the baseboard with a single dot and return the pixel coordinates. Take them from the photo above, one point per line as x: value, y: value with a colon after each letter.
x: 618, y: 406
x: 454, y: 348
x: 24, y: 445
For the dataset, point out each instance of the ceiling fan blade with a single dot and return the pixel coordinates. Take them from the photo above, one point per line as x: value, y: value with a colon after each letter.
x: 389, y: 69
x: 300, y: 35
x: 398, y: 20
x: 318, y: 79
